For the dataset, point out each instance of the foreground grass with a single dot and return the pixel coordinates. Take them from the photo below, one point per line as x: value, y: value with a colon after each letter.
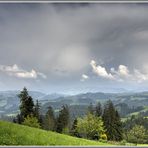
x: 14, y: 134
x: 143, y: 145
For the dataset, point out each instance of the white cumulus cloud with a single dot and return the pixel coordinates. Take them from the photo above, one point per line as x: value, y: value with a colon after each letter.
x: 100, y: 71
x: 16, y: 71
x: 123, y: 70
x: 121, y: 74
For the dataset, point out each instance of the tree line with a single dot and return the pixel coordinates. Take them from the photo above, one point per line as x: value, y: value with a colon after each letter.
x: 100, y: 122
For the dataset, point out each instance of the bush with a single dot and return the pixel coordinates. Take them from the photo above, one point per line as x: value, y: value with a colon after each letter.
x: 31, y: 121
x: 90, y: 127
x: 103, y: 137
x: 137, y: 134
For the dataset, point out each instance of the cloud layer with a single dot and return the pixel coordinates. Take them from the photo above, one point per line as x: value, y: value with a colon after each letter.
x: 58, y: 41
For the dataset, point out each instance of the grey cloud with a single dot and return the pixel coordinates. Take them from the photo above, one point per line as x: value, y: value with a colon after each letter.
x: 60, y: 40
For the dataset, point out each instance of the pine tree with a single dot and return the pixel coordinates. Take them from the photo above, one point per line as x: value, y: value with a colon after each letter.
x: 29, y: 106
x: 119, y: 127
x: 112, y: 122
x: 63, y: 119
x: 98, y: 110
x: 37, y: 110
x: 26, y: 104
x: 49, y: 123
x: 23, y: 99
x: 74, y: 131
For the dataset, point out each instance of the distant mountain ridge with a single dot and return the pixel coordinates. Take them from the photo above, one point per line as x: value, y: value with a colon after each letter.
x: 9, y: 101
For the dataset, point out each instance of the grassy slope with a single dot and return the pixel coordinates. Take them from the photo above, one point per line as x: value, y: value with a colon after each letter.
x: 14, y: 134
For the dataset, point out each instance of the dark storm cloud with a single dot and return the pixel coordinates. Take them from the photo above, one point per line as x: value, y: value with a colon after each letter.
x: 60, y: 40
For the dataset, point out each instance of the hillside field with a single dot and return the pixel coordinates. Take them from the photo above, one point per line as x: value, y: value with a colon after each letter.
x: 14, y: 134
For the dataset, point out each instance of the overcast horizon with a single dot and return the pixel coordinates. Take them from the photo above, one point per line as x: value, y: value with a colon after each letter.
x: 74, y: 48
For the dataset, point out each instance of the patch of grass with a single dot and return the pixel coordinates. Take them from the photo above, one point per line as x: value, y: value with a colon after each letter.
x: 146, y: 145
x: 15, y: 134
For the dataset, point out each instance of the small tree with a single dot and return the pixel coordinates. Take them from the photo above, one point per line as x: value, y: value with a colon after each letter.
x: 137, y: 134
x: 98, y: 110
x: 63, y: 119
x: 90, y: 127
x: 31, y: 121
x: 74, y: 131
x: 37, y: 110
x: 49, y: 119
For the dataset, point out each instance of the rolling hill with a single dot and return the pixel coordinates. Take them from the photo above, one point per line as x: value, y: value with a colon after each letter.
x: 126, y: 103
x: 15, y: 134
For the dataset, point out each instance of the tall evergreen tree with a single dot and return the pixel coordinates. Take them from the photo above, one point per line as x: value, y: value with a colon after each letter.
x: 26, y: 104
x: 37, y: 110
x: 112, y: 122
x: 49, y: 123
x: 98, y: 110
x: 63, y: 119
x: 74, y: 131
x: 119, y: 126
x: 29, y: 106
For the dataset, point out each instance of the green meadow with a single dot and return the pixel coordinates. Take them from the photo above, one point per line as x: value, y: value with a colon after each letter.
x: 15, y: 134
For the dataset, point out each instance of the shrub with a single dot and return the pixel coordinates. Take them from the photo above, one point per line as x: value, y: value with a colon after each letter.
x: 137, y: 134
x: 90, y: 127
x: 103, y: 137
x: 31, y: 121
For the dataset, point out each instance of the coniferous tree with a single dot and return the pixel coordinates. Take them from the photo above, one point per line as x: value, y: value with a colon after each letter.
x: 98, y: 110
x: 49, y: 119
x: 23, y: 99
x: 74, y: 131
x: 119, y: 127
x: 112, y: 122
x: 63, y: 119
x: 29, y: 106
x: 37, y: 110
x: 26, y: 105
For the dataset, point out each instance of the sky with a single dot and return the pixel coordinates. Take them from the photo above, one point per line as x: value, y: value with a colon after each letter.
x: 74, y: 48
